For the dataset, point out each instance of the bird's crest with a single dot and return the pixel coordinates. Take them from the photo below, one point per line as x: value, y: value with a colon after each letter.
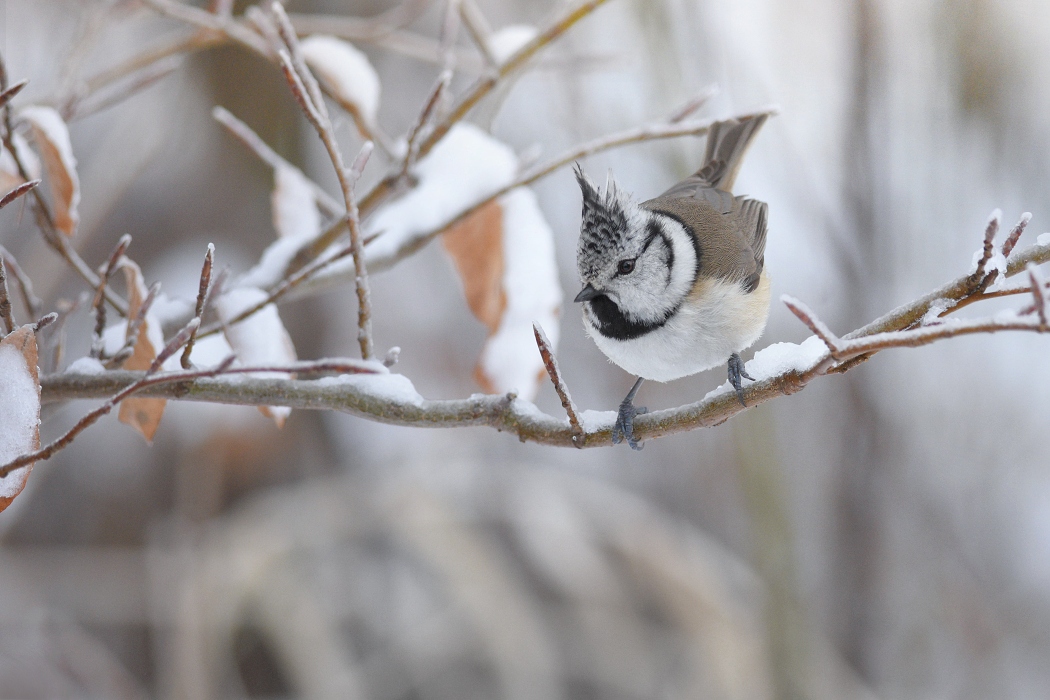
x: 608, y: 215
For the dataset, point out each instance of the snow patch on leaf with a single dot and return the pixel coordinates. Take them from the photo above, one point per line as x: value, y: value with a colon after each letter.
x: 19, y: 408
x: 507, y: 41
x: 260, y: 339
x: 52, y: 139
x: 1043, y: 239
x: 510, y: 360
x: 294, y: 205
x: 465, y: 167
x: 345, y: 71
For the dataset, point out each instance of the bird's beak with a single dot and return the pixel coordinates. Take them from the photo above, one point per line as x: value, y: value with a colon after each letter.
x: 586, y: 294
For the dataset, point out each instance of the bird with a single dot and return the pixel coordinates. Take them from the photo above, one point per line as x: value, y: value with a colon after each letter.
x: 677, y: 284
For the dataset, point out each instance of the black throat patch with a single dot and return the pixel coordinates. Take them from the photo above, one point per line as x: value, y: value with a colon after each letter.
x: 612, y: 323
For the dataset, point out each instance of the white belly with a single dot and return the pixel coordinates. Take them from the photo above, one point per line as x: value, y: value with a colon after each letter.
x: 715, y: 321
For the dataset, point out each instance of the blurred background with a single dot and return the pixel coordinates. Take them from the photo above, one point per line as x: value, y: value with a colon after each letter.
x: 883, y: 534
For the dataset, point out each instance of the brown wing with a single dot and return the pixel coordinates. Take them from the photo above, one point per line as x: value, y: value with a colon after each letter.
x: 730, y: 231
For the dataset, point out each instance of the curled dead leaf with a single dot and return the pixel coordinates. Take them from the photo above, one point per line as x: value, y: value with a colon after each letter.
x: 56, y: 150
x: 19, y: 408
x: 504, y: 254
x: 140, y: 413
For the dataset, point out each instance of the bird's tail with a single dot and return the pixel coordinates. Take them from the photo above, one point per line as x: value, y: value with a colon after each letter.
x: 727, y: 142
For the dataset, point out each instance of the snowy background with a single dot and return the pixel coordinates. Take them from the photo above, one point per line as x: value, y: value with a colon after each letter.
x: 881, y: 534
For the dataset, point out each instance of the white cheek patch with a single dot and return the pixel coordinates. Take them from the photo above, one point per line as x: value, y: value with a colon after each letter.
x: 683, y: 268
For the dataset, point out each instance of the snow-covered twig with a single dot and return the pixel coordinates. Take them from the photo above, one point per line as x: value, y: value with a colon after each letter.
x: 819, y: 328
x: 1015, y: 234
x: 551, y: 363
x: 308, y: 93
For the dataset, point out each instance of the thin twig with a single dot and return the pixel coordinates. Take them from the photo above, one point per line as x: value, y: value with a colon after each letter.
x: 5, y: 303
x: 202, y: 296
x: 812, y: 322
x: 98, y: 344
x: 1038, y: 295
x: 33, y: 304
x: 10, y: 92
x: 134, y: 329
x: 18, y: 192
x: 216, y: 23
x: 693, y: 106
x: 550, y: 361
x: 183, y: 45
x: 133, y: 84
x: 308, y: 93
x: 478, y: 28
x: 423, y: 120
x: 283, y: 288
x: 357, y: 29
x: 989, y: 244
x: 45, y: 321
x: 57, y: 345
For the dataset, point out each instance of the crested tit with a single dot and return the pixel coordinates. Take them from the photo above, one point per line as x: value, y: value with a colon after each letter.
x: 677, y: 284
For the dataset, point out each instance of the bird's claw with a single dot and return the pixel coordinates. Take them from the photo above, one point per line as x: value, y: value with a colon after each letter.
x: 624, y: 427
x: 736, y: 371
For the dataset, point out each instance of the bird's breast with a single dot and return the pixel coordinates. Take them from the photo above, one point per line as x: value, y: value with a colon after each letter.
x: 717, y: 319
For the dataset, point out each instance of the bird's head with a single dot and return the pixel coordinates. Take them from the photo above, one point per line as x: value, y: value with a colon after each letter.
x: 628, y: 256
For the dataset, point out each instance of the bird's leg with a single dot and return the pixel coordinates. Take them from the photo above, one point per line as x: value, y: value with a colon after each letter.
x: 736, y: 371
x: 624, y: 427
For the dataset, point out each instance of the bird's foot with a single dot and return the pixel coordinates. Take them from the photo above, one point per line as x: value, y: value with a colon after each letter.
x: 624, y: 428
x: 736, y: 371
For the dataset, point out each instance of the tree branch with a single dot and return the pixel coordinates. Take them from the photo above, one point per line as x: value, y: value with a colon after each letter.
x: 510, y: 414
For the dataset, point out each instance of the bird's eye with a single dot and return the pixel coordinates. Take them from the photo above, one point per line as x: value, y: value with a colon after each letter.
x: 625, y: 267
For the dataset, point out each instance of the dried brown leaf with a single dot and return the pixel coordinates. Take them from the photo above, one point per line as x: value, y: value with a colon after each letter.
x: 19, y: 417
x: 52, y: 139
x: 140, y: 413
x: 476, y: 248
